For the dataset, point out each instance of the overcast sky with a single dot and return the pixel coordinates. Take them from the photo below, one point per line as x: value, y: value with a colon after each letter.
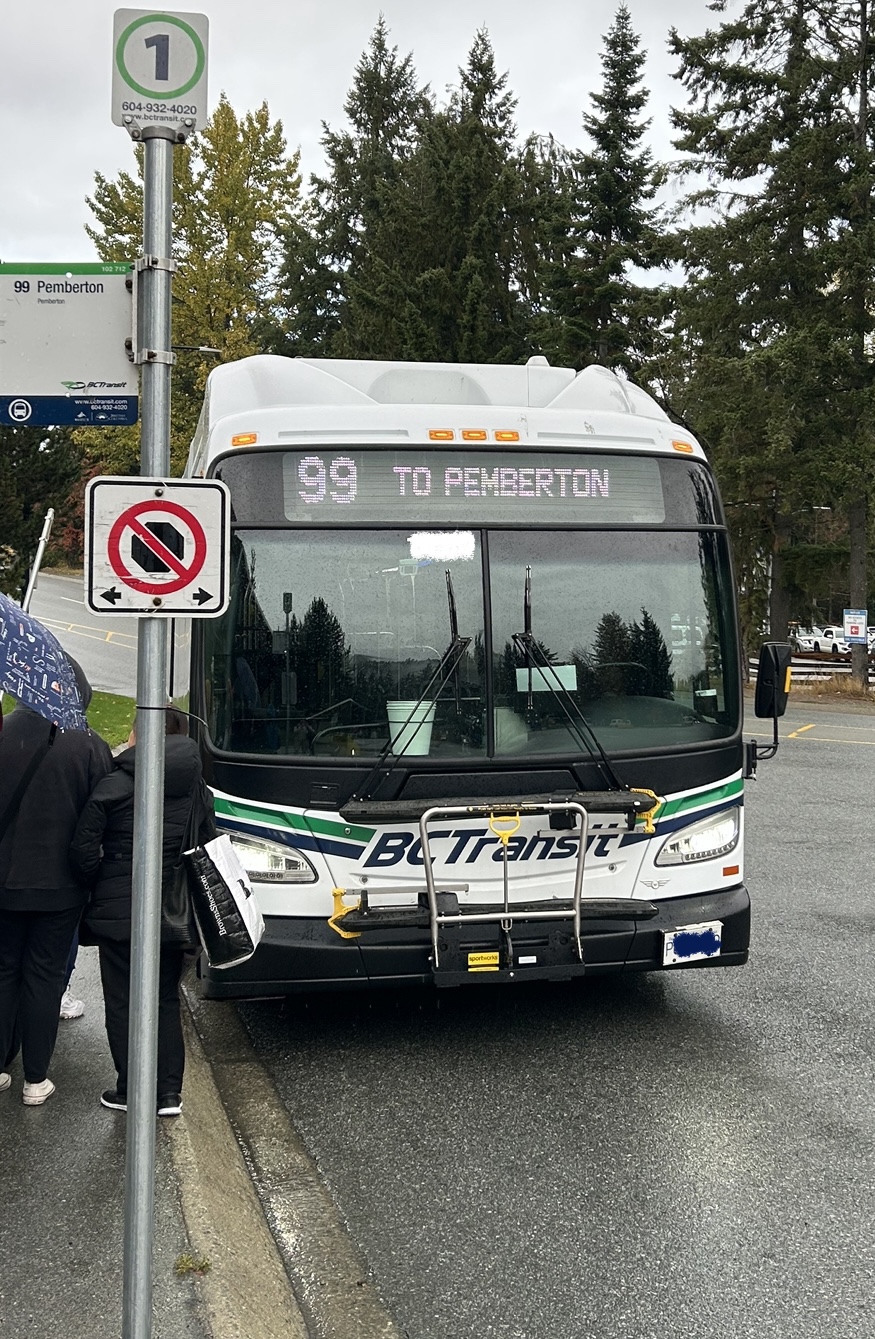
x: 299, y: 56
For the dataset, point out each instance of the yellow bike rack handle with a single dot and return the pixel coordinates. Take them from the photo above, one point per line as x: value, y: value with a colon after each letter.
x: 649, y: 816
x: 504, y: 833
x: 339, y: 912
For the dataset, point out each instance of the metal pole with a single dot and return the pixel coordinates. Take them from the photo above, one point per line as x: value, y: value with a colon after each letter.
x: 37, y: 562
x: 154, y: 342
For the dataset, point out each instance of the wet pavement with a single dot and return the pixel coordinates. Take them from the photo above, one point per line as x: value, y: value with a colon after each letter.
x: 62, y: 1178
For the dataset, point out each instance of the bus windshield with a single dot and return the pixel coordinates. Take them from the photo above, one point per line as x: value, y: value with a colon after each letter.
x: 334, y: 636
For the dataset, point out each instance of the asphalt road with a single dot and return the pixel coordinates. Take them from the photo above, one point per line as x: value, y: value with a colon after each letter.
x: 670, y: 1156
x: 106, y: 648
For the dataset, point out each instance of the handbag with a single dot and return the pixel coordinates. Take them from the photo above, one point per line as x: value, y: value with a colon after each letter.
x: 178, y: 925
x: 229, y: 920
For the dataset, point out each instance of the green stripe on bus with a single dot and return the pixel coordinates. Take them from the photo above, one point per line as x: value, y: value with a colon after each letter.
x: 284, y: 818
x: 704, y: 797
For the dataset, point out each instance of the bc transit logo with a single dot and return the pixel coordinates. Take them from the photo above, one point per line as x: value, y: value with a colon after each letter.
x: 468, y: 845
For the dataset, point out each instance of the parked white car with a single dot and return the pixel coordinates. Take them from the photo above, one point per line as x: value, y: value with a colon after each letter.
x: 804, y: 638
x: 832, y: 638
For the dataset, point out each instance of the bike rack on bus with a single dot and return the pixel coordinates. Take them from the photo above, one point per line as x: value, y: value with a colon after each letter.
x: 455, y: 959
x: 499, y: 814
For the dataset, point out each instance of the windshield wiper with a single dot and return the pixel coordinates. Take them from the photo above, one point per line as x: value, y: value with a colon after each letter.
x: 536, y: 658
x: 447, y: 668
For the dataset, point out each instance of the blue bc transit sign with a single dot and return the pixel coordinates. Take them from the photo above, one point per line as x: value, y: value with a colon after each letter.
x: 42, y: 411
x: 63, y: 353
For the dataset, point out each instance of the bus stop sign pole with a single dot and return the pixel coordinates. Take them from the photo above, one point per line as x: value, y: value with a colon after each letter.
x: 160, y: 57
x: 154, y: 351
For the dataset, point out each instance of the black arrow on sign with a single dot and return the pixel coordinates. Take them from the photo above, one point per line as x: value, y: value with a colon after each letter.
x: 202, y: 596
x: 112, y: 595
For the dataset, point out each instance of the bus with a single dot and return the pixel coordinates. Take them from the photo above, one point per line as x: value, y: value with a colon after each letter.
x: 474, y: 714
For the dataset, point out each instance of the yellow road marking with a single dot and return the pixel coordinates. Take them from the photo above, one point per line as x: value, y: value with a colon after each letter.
x: 794, y: 734
x: 81, y: 630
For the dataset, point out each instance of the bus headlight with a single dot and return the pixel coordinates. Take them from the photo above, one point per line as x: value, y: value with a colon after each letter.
x: 271, y: 862
x: 705, y: 840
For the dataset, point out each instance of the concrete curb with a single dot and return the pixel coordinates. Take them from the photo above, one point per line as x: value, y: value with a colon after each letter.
x: 329, y: 1277
x: 245, y: 1293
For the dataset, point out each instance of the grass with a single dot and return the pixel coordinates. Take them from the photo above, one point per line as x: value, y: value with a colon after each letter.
x: 839, y: 686
x: 110, y: 715
x: 191, y: 1264
x: 61, y: 570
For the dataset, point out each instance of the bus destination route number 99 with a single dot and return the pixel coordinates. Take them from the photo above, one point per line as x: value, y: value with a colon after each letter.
x: 454, y: 486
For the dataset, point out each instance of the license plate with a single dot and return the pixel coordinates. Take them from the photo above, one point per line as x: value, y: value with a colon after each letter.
x: 692, y: 942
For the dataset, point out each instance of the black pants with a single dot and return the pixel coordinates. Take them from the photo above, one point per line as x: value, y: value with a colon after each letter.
x: 33, y: 961
x: 115, y: 973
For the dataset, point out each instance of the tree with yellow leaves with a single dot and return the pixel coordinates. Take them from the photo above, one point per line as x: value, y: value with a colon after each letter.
x: 236, y: 193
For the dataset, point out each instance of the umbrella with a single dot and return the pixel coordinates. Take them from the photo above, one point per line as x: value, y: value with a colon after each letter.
x: 35, y: 669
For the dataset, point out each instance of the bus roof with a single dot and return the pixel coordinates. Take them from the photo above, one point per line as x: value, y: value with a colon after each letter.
x: 273, y: 399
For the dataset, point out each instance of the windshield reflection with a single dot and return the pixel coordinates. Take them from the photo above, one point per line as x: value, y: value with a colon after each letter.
x: 333, y: 638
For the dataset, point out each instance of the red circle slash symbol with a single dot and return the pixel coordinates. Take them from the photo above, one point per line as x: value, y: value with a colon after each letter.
x: 180, y: 574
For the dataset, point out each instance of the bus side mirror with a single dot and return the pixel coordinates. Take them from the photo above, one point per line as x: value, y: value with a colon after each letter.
x: 773, y: 680
x: 772, y: 691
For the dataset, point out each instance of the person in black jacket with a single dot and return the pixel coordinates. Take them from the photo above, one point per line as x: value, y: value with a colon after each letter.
x: 102, y: 850
x: 41, y: 894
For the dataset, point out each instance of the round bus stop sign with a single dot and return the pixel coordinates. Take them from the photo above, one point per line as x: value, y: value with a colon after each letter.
x: 159, y: 74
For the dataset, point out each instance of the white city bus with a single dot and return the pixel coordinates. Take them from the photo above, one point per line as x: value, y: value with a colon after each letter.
x: 474, y: 714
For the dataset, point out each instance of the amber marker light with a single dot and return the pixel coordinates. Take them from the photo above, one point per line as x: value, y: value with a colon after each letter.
x: 506, y: 436
x: 684, y: 447
x: 730, y: 869
x: 244, y: 439
x: 441, y: 435
x: 474, y: 435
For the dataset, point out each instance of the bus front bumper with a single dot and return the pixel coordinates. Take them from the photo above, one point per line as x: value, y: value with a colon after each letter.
x: 298, y: 954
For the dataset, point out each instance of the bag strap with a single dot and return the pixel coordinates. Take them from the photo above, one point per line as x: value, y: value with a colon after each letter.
x: 18, y: 794
x: 189, y: 832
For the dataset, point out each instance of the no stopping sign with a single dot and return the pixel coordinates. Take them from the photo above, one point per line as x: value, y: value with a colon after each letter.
x: 161, y: 537
x: 155, y: 547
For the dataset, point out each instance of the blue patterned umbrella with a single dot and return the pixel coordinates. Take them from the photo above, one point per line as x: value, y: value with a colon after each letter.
x: 35, y: 669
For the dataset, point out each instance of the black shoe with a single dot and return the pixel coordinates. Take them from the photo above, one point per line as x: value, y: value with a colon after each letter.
x: 170, y: 1104
x: 114, y: 1100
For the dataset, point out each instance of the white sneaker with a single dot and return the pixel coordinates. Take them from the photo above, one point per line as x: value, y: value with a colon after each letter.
x: 36, y: 1093
x: 70, y: 1006
x: 5, y: 1082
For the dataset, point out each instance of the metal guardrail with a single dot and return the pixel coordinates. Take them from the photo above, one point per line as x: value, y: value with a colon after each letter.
x: 815, y: 668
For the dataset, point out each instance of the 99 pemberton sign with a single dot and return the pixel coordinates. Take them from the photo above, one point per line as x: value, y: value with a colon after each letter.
x: 63, y: 356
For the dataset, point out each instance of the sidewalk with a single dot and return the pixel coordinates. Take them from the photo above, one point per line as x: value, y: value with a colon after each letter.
x: 62, y: 1194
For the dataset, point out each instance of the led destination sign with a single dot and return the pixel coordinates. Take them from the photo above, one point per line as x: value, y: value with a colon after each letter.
x: 327, y: 486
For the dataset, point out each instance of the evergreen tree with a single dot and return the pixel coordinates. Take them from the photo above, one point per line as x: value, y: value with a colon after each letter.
x: 612, y: 653
x: 235, y: 197
x: 37, y: 469
x: 778, y: 307
x: 321, y: 659
x: 605, y: 225
x: 465, y: 209
x: 416, y: 243
x: 331, y: 276
x: 650, y: 667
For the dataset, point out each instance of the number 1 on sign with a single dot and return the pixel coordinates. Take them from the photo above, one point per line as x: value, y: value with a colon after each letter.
x: 161, y: 43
